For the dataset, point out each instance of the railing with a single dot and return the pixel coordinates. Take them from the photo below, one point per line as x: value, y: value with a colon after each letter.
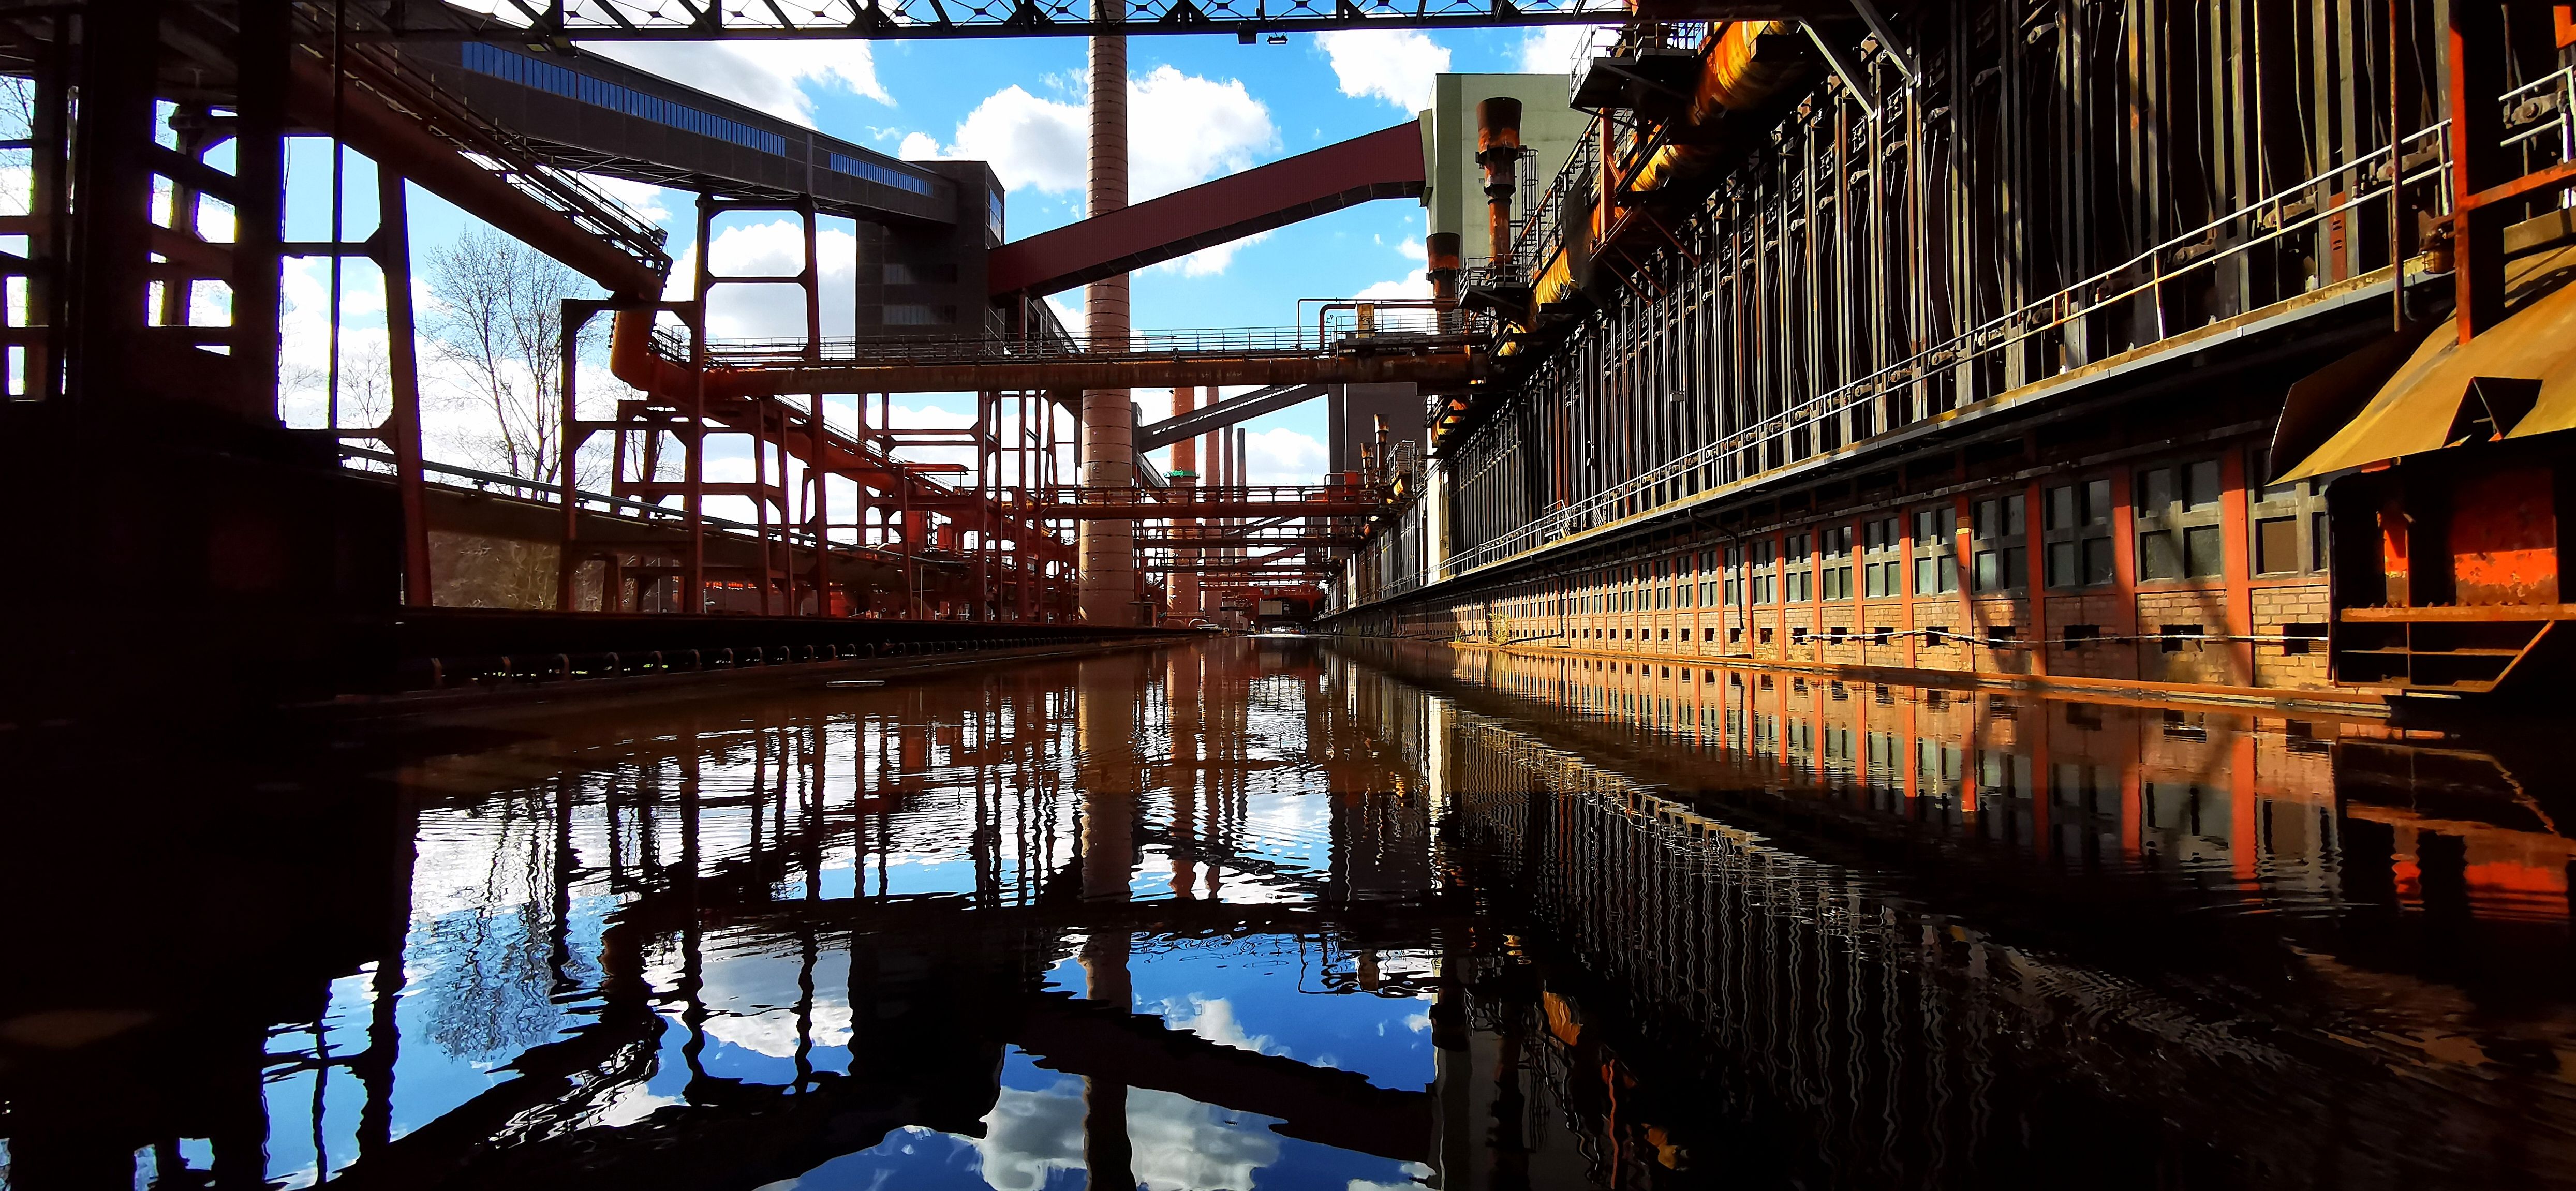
x: 524, y: 488
x: 1283, y: 497
x: 1386, y: 329
x: 505, y: 153
x: 2295, y: 210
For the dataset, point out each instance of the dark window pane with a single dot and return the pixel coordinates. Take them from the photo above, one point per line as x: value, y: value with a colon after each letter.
x: 2202, y: 485
x: 2097, y: 502
x: 2013, y: 522
x: 2317, y: 540
x: 2098, y: 563
x: 1990, y: 575
x: 2202, y: 552
x: 2061, y: 565
x: 2276, y: 545
x: 2155, y: 491
x: 2158, y: 557
x: 2061, y: 507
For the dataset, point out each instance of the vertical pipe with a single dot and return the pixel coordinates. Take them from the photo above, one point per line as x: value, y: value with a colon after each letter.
x: 1498, y: 149
x: 1108, y: 548
x: 1442, y: 249
x: 693, y: 471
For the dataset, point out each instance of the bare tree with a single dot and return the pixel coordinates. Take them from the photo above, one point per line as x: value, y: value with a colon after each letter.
x: 496, y: 319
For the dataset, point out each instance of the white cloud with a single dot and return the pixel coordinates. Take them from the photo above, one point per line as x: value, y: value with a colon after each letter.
x: 1182, y: 130
x: 1215, y: 1020
x: 1208, y: 262
x: 770, y: 76
x: 771, y: 249
x: 1282, y: 457
x: 1550, y: 49
x: 919, y: 146
x: 1416, y: 284
x: 1395, y: 65
x: 643, y: 198
x: 1179, y: 1143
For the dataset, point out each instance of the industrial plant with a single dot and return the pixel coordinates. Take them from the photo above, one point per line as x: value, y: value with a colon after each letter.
x: 1904, y: 593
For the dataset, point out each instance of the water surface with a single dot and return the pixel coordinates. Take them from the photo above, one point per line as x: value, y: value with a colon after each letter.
x: 1284, y: 915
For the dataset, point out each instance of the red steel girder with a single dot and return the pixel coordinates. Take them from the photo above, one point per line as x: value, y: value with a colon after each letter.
x: 1381, y: 165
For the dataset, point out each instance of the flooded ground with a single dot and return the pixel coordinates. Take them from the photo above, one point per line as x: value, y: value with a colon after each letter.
x: 1287, y: 915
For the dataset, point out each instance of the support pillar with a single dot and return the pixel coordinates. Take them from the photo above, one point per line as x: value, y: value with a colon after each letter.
x: 1185, y: 468
x: 392, y: 252
x: 1108, y: 548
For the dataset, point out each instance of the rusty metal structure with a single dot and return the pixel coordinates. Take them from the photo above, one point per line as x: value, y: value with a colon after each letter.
x: 2025, y: 341
x: 2013, y: 338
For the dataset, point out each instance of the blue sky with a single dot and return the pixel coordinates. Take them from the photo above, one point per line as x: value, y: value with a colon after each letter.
x: 1201, y: 106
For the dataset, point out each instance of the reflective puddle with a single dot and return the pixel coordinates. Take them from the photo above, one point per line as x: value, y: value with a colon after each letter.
x: 1285, y: 915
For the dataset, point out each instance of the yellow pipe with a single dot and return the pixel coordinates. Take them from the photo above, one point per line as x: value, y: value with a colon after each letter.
x: 1748, y: 64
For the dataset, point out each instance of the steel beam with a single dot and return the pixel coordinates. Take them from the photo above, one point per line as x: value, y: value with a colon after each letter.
x: 1192, y: 424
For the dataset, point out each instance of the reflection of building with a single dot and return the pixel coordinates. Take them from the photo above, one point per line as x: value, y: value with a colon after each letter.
x: 1779, y: 891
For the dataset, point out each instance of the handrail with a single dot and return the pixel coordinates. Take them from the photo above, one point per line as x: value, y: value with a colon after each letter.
x: 2269, y: 219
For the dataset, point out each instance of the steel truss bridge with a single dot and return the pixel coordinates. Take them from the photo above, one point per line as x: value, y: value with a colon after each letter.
x: 706, y: 20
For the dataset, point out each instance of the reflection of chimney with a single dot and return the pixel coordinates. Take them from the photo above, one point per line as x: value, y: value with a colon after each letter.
x: 1442, y: 248
x: 1498, y: 149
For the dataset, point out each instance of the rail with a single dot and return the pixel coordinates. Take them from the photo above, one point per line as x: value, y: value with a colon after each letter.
x: 506, y: 154
x: 2295, y: 210
x: 522, y: 487
x: 1391, y: 331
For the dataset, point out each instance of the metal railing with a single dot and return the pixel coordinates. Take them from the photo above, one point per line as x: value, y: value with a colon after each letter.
x: 541, y: 492
x: 2541, y: 107
x: 1389, y: 329
x: 509, y: 156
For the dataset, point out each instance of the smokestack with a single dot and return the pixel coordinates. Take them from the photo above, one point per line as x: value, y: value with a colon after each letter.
x: 1442, y: 247
x: 1108, y: 548
x: 1498, y: 149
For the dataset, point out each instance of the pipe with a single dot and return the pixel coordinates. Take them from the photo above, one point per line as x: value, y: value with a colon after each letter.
x: 1443, y: 268
x: 1498, y: 149
x: 1749, y: 64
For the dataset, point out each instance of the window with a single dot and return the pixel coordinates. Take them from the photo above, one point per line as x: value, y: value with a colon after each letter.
x: 1882, y: 558
x: 2302, y: 637
x: 598, y: 92
x: 1798, y: 572
x: 1936, y: 564
x: 1998, y: 544
x: 2079, y: 636
x: 915, y: 315
x: 2178, y: 523
x: 1764, y: 580
x: 2288, y: 520
x: 886, y: 175
x: 1835, y: 544
x: 1734, y: 592
x: 2077, y: 534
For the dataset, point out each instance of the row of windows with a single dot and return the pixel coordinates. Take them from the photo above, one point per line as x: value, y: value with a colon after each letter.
x: 2177, y: 522
x: 880, y: 174
x: 598, y: 92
